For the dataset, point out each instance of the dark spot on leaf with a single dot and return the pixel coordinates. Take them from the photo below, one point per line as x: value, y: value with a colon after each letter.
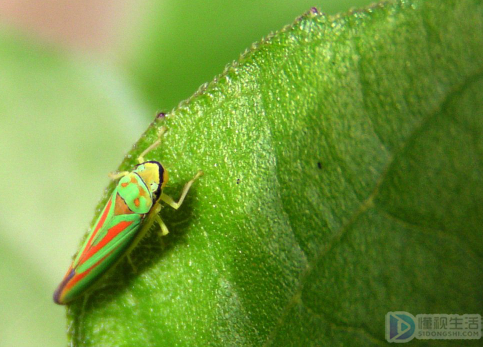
x: 237, y: 181
x: 319, y: 165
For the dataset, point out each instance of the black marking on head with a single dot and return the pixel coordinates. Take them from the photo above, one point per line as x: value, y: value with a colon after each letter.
x: 157, y: 193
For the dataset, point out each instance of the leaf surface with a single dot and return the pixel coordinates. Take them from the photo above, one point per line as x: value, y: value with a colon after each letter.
x: 343, y: 179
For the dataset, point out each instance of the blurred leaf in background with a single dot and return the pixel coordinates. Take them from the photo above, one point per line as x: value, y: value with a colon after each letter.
x: 67, y: 118
x: 64, y: 123
x: 182, y: 44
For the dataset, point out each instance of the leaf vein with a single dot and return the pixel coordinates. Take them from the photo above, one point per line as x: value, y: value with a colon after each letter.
x: 369, y: 201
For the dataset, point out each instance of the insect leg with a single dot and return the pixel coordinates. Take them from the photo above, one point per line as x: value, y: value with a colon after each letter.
x: 115, y: 175
x: 164, y: 228
x: 169, y: 200
x: 131, y: 263
x: 156, y: 143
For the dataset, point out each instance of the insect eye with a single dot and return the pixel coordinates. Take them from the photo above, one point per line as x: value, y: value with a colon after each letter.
x: 154, y: 186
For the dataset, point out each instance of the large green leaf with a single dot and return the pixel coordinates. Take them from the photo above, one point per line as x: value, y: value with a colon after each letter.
x: 343, y: 179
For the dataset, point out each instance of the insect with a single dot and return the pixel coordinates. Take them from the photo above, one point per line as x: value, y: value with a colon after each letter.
x: 129, y: 213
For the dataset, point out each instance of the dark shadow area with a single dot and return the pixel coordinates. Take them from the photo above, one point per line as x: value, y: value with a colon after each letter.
x: 151, y: 249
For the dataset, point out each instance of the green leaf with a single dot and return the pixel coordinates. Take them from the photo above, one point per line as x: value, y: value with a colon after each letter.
x: 343, y: 179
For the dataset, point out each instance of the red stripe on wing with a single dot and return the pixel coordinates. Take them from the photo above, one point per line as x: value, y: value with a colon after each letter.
x: 99, y: 225
x: 78, y: 276
x: 72, y: 277
x: 111, y: 233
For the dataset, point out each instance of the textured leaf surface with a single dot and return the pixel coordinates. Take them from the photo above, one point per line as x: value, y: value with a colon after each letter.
x: 343, y: 179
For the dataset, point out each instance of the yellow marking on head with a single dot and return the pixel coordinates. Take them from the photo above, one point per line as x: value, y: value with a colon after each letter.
x: 150, y: 175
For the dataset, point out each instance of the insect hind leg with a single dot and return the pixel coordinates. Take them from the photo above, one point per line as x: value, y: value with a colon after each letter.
x: 134, y: 268
x: 164, y: 229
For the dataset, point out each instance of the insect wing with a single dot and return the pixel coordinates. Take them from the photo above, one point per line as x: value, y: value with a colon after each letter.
x: 105, y: 244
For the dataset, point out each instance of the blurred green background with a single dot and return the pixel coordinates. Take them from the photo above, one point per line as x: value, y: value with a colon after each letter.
x: 79, y: 82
